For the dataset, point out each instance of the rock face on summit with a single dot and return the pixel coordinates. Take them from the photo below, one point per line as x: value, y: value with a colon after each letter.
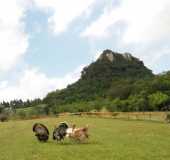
x: 114, y: 56
x: 107, y: 54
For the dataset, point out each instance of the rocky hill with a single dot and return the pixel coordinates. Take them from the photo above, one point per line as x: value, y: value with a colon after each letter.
x: 111, y: 64
x: 97, y: 78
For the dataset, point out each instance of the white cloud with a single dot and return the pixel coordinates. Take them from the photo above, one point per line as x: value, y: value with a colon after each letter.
x: 145, y: 20
x: 100, y: 27
x: 13, y: 39
x: 64, y: 12
x: 14, y: 43
x: 34, y: 84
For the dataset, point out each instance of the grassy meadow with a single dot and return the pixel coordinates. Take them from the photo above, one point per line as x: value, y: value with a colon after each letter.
x: 109, y: 139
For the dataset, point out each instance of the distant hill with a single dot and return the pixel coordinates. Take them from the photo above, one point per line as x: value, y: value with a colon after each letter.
x: 97, y: 78
x: 115, y: 82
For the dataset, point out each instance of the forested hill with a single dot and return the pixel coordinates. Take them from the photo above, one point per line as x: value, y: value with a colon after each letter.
x: 110, y: 70
x: 114, y: 82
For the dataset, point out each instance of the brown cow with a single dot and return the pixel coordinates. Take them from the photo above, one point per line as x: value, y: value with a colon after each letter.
x: 79, y: 134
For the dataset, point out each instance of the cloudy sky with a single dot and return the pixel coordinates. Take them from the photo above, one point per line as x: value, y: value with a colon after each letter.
x: 44, y: 44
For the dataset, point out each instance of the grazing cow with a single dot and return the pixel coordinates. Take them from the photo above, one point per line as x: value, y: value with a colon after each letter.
x: 41, y: 132
x: 60, y: 131
x: 79, y: 134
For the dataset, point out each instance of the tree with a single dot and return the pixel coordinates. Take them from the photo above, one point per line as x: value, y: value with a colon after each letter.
x: 1, y: 108
x: 157, y: 100
x: 137, y: 103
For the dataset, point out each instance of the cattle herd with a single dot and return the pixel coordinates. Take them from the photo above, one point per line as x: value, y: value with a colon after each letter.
x: 60, y: 132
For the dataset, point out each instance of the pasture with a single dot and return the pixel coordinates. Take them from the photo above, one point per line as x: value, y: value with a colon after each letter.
x: 110, y: 139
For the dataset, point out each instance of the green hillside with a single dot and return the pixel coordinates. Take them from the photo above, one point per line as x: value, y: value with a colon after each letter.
x: 98, y: 77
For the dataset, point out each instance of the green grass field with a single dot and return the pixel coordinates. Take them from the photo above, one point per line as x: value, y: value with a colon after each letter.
x: 109, y: 140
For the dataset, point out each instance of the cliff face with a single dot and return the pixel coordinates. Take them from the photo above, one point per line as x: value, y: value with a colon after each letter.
x: 120, y: 58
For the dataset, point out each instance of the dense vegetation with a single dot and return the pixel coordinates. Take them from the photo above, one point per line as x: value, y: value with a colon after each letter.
x: 115, y: 82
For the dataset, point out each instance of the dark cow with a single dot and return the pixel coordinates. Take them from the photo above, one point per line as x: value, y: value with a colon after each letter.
x: 41, y: 132
x: 60, y: 131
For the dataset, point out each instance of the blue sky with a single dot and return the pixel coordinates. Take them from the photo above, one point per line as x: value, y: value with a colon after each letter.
x: 46, y: 43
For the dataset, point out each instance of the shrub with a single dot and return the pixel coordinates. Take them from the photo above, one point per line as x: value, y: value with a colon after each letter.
x: 168, y: 117
x: 3, y: 117
x: 158, y: 99
x: 22, y: 114
x: 39, y: 110
x: 115, y: 114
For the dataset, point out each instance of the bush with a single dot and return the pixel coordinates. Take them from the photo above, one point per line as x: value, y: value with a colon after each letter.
x: 3, y: 117
x: 157, y: 100
x: 137, y: 103
x: 39, y: 110
x: 168, y: 117
x: 22, y: 114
